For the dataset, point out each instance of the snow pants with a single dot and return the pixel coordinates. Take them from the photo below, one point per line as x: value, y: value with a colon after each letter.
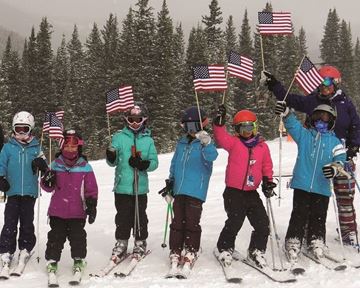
x: 185, y: 229
x: 238, y: 205
x: 62, y: 229
x: 124, y: 219
x: 18, y: 209
x: 345, y: 190
x: 311, y: 209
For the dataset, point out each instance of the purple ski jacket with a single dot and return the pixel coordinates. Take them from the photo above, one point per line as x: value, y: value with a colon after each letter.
x: 347, y: 125
x: 73, y: 185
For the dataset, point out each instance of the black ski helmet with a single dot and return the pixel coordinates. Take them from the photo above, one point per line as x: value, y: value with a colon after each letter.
x: 190, y: 119
x: 316, y: 115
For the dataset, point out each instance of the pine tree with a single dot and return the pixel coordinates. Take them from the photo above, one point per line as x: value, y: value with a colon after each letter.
x: 329, y: 46
x: 302, y: 43
x: 61, y: 74
x: 356, y: 97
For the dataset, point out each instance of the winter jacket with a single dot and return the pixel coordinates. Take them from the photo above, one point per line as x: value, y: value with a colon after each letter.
x: 347, y: 124
x: 191, y: 168
x: 15, y: 165
x: 124, y: 174
x: 244, y: 163
x: 73, y: 185
x: 314, y: 151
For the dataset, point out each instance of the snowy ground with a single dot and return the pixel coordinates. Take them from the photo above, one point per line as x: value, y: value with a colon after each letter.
x: 207, y: 272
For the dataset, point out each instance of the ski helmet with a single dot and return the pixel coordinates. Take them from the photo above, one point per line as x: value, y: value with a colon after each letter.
x: 23, y: 123
x: 72, y: 146
x: 325, y: 113
x: 328, y: 71
x: 137, y: 116
x: 190, y: 120
x: 331, y: 77
x: 245, y: 122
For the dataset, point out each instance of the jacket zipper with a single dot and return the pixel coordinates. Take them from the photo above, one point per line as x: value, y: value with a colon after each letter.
x: 316, y: 161
x: 247, y: 168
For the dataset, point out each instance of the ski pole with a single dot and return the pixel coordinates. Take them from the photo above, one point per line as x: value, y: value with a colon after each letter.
x: 337, y: 217
x: 163, y: 245
x: 271, y: 233
x: 277, y: 238
x: 136, y: 192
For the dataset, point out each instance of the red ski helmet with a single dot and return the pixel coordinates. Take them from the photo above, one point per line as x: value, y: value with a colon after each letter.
x: 328, y: 71
x: 244, y: 116
x: 245, y: 122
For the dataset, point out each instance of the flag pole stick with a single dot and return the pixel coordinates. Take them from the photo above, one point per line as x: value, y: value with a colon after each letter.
x: 108, y: 123
x: 262, y: 52
x: 38, y: 206
x: 226, y: 78
x: 198, y: 106
x: 281, y: 125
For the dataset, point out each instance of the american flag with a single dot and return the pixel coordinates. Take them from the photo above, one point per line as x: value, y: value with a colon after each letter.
x: 46, y: 125
x: 240, y: 66
x: 209, y: 78
x: 308, y: 76
x: 56, y: 129
x: 274, y: 23
x: 119, y: 99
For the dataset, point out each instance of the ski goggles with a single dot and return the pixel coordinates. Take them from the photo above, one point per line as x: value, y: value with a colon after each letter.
x: 191, y: 127
x: 246, y: 127
x: 328, y: 81
x: 135, y: 119
x: 73, y: 141
x: 321, y: 115
x: 22, y: 129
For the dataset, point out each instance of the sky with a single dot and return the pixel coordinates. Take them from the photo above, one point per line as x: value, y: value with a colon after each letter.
x: 20, y: 15
x: 207, y: 271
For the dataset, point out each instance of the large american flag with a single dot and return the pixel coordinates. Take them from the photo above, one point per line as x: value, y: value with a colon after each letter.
x: 119, y: 99
x: 274, y: 23
x: 209, y: 78
x: 240, y: 66
x: 56, y: 128
x: 308, y: 76
x: 46, y: 125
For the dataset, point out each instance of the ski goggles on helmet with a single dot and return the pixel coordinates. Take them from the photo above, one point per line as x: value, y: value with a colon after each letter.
x: 191, y: 127
x: 22, y: 129
x: 73, y: 141
x: 328, y: 81
x: 131, y: 119
x: 246, y: 127
x: 321, y: 115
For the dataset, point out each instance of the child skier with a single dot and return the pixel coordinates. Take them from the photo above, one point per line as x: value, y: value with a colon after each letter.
x: 133, y: 153
x: 75, y: 193
x: 190, y: 171
x: 20, y: 160
x: 318, y: 149
x: 249, y: 163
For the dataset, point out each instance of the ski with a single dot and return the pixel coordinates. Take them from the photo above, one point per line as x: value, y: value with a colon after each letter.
x: 231, y: 274
x: 327, y: 261
x: 76, y: 278
x: 114, y: 261
x: 296, y: 269
x: 172, y: 271
x: 135, y: 259
x: 19, y: 269
x: 184, y: 271
x: 5, y: 272
x: 52, y: 280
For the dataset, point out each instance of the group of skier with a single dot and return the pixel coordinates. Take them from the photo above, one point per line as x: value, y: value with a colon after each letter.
x: 327, y: 144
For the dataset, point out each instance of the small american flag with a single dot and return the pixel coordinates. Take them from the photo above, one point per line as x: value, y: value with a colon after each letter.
x: 240, y: 66
x: 119, y: 99
x: 274, y: 23
x: 308, y: 76
x: 56, y: 128
x: 209, y: 78
x: 46, y: 125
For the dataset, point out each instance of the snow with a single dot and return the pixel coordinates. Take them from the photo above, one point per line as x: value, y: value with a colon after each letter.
x: 207, y: 272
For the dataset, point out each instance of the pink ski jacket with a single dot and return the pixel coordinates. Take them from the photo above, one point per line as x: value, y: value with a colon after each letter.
x: 246, y: 166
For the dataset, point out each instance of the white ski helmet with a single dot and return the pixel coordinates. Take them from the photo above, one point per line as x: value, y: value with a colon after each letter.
x: 23, y: 118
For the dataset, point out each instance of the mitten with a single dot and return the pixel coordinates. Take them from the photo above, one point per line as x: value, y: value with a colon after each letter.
x: 91, y: 204
x: 138, y: 163
x: 49, y: 179
x: 4, y: 184
x: 351, y: 152
x: 220, y: 116
x: 268, y: 187
x: 111, y: 155
x: 281, y: 109
x: 39, y: 163
x: 268, y: 79
x: 204, y: 137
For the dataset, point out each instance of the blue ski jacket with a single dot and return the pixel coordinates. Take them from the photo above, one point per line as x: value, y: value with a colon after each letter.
x: 314, y: 151
x: 191, y: 168
x: 15, y: 165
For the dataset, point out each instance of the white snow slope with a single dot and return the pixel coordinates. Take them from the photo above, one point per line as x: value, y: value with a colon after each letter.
x: 207, y: 272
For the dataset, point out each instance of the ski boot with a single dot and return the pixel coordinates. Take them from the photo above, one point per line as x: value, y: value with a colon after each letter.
x: 24, y: 256
x: 292, y: 249
x: 257, y: 257
x: 119, y: 250
x: 51, y: 266
x: 6, y: 260
x: 79, y: 265
x: 226, y: 257
x: 139, y: 249
x: 190, y: 258
x: 317, y: 248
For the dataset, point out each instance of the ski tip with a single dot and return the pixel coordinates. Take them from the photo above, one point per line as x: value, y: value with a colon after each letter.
x: 4, y: 278
x: 53, y: 285
x: 14, y: 274
x: 340, y: 268
x: 234, y: 280
x: 120, y: 275
x: 74, y: 283
x: 298, y: 271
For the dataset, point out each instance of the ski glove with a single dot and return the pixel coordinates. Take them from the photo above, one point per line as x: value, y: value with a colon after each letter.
x: 351, y: 152
x: 39, y: 164
x: 91, y: 204
x: 334, y: 169
x: 138, y: 163
x: 268, y: 79
x: 204, y: 137
x: 281, y: 109
x: 167, y: 192
x: 111, y: 155
x: 268, y: 187
x: 220, y: 116
x: 49, y: 179
x: 4, y: 184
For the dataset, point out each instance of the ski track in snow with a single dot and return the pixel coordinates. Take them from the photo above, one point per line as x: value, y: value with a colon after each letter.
x: 207, y: 271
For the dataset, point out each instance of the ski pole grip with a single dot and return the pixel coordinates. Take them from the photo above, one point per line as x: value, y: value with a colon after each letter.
x: 133, y: 151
